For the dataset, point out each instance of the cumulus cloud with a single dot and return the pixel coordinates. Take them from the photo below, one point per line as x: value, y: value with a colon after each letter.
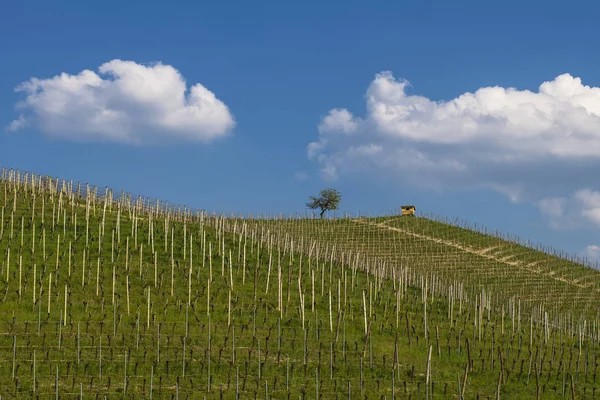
x: 532, y: 146
x: 123, y: 102
x: 339, y: 120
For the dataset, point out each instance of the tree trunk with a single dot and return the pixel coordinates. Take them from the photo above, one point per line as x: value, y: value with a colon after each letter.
x: 322, y: 212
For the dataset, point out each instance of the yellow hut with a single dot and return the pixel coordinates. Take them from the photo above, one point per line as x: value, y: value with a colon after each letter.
x: 408, y: 210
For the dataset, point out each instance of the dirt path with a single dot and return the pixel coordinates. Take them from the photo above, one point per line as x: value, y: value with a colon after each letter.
x: 485, y: 253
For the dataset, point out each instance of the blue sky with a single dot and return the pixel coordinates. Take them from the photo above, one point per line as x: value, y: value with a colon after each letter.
x: 279, y: 69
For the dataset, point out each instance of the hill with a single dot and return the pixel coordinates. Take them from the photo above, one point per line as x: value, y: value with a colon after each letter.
x: 120, y: 297
x: 508, y: 269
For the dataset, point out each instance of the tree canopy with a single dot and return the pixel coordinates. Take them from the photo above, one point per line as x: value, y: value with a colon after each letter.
x: 328, y: 199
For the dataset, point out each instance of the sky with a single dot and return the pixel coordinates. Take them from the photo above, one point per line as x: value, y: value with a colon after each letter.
x: 484, y: 111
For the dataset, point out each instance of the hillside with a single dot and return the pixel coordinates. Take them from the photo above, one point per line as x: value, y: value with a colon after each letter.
x: 109, y: 296
x: 507, y: 269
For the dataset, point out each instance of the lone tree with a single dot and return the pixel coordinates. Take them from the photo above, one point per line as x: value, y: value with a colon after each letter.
x: 328, y: 199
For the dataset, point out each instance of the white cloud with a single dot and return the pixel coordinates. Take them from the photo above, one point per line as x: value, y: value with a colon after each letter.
x: 338, y: 120
x: 553, y: 207
x: 590, y: 204
x: 17, y: 124
x: 528, y: 145
x: 592, y: 253
x: 123, y: 102
x: 579, y: 209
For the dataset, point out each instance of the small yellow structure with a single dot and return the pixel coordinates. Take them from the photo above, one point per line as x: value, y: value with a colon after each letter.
x: 408, y: 210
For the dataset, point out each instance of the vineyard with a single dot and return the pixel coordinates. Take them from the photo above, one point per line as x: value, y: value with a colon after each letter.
x: 107, y: 296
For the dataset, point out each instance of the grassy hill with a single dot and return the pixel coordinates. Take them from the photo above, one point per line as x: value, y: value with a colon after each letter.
x: 119, y: 297
x: 507, y: 269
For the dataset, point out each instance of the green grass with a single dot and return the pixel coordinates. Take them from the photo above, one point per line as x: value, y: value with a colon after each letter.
x: 269, y: 358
